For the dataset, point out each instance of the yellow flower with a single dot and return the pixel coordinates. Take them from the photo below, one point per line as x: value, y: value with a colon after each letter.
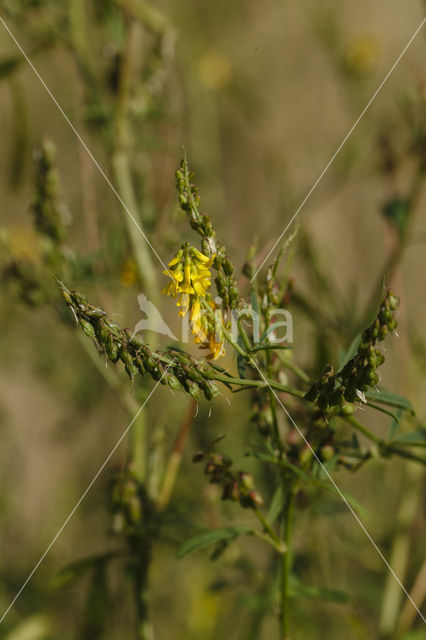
x: 190, y: 275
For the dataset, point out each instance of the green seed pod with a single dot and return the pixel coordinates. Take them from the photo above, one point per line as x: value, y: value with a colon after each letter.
x: 87, y: 328
x: 383, y: 332
x: 193, y: 389
x: 246, y: 480
x: 228, y: 267
x: 210, y: 389
x: 101, y: 333
x: 125, y: 356
x: 327, y: 452
x: 112, y: 348
x: 95, y: 313
x: 139, y: 364
x: 173, y: 382
x: 392, y: 324
x: 136, y: 340
x: 347, y: 409
x: 66, y: 296
x: 393, y: 301
x: 305, y: 456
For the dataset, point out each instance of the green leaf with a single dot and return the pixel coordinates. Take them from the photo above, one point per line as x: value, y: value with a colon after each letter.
x: 320, y: 593
x: 329, y: 486
x: 277, y: 504
x: 265, y: 457
x: 386, y: 411
x: 393, y: 429
x: 392, y: 399
x: 264, y: 346
x: 72, y: 572
x: 349, y: 354
x: 206, y: 538
x: 413, y: 438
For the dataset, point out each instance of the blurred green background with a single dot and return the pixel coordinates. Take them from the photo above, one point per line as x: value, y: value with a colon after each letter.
x: 261, y: 95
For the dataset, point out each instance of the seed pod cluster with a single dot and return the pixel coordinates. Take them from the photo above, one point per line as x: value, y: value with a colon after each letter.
x: 128, y: 502
x: 238, y: 486
x: 360, y: 373
x: 23, y: 279
x: 261, y: 411
x: 189, y: 201
x: 47, y: 206
x: 174, y: 368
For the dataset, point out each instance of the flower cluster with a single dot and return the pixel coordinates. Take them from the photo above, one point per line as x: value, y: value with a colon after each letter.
x: 237, y: 485
x: 190, y: 277
x: 189, y: 201
x: 360, y: 373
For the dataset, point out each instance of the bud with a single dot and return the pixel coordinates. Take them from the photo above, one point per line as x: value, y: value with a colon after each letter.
x: 87, y: 328
x: 347, y: 409
x: 231, y: 492
x: 327, y: 452
x: 305, y: 456
x: 246, y: 480
x: 255, y: 499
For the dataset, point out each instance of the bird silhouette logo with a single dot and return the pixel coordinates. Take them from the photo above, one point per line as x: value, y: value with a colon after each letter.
x: 153, y: 320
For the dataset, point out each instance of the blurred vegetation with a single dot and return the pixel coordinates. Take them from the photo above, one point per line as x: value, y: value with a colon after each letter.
x: 261, y: 96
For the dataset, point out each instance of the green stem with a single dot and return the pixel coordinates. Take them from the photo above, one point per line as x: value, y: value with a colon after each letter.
x: 268, y: 528
x: 362, y: 429
x: 121, y: 167
x: 244, y: 335
x: 144, y: 627
x: 384, y: 447
x: 247, y: 382
x: 286, y: 566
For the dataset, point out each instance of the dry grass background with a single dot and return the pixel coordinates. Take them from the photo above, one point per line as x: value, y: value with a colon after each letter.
x: 261, y: 106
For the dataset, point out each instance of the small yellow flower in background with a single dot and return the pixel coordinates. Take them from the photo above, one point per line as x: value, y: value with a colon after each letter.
x: 129, y: 273
x: 215, y: 71
x: 362, y: 54
x: 190, y: 282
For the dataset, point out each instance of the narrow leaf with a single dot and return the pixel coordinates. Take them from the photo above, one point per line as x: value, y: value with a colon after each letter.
x: 207, y: 538
x: 393, y: 429
x: 349, y: 354
x: 392, y: 399
x: 277, y: 504
x: 413, y: 438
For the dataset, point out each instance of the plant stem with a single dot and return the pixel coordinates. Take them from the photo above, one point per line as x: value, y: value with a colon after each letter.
x: 122, y: 171
x: 286, y: 566
x: 176, y: 457
x: 362, y: 429
x: 267, y: 527
x: 144, y: 627
x: 384, y: 447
